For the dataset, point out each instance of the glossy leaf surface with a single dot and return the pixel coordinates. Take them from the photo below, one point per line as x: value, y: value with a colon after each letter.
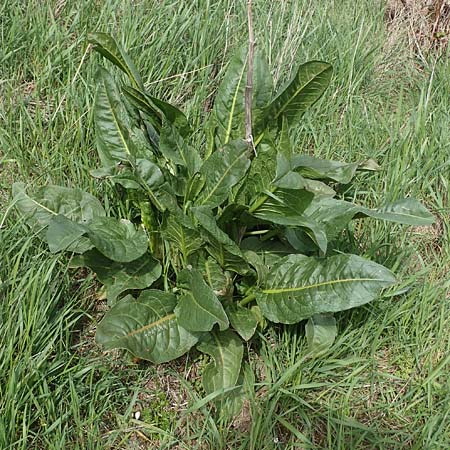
x: 108, y: 47
x: 147, y: 327
x: 221, y: 171
x: 298, y: 286
x: 198, y: 308
x: 112, y: 127
x: 305, y: 88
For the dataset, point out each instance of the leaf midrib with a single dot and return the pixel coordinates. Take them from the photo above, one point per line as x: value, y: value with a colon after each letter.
x: 233, y: 104
x: 221, y: 179
x: 154, y: 324
x: 315, y: 285
x: 287, y: 103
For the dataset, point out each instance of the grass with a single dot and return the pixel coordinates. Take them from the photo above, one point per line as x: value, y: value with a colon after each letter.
x: 385, y: 382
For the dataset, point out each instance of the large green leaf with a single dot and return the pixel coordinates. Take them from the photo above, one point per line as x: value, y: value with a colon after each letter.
x: 147, y: 327
x: 221, y: 171
x: 226, y: 350
x: 112, y: 123
x: 407, y: 211
x: 229, y: 101
x: 198, y: 309
x: 334, y: 214
x: 49, y: 201
x: 64, y: 234
x: 173, y: 115
x: 144, y: 175
x: 305, y: 88
x: 298, y: 286
x: 118, y: 240
x: 119, y: 277
x: 316, y: 168
x: 108, y: 47
x: 321, y: 331
x: 176, y: 150
x: 151, y: 116
x: 287, y: 207
x: 243, y: 319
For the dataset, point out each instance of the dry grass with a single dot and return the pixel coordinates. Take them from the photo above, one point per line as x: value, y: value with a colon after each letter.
x: 423, y: 26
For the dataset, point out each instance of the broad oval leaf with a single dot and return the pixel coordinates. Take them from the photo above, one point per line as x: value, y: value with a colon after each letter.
x: 108, y: 47
x: 227, y: 350
x: 221, y: 171
x: 299, y: 286
x: 49, y: 201
x: 65, y: 235
x: 118, y: 240
x: 120, y: 277
x: 198, y: 309
x: 147, y: 327
x: 305, y: 88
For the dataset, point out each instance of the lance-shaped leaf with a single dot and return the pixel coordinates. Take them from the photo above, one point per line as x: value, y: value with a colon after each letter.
x: 287, y: 207
x: 334, y: 214
x: 112, y: 123
x: 226, y: 350
x: 198, y: 309
x: 142, y: 102
x: 298, y: 286
x: 176, y: 150
x: 120, y: 277
x: 221, y: 171
x: 118, y: 240
x: 229, y: 101
x: 108, y: 47
x: 323, y: 169
x: 49, y: 201
x: 174, y: 116
x: 147, y: 327
x: 243, y: 320
x: 321, y: 331
x: 64, y: 234
x: 307, y: 86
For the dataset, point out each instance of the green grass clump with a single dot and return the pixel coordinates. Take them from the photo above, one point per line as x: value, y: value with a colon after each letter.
x: 385, y: 382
